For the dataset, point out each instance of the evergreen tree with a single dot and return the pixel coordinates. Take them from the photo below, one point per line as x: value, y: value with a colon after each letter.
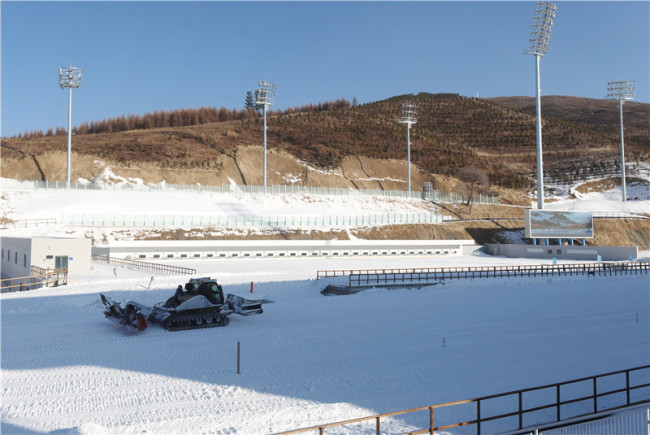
x: 250, y: 101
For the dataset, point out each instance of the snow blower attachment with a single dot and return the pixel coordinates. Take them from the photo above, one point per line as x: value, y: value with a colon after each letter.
x: 201, y: 305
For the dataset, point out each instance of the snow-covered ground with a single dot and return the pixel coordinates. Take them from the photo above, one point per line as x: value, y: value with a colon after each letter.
x: 607, y: 201
x: 568, y: 197
x: 53, y: 204
x: 308, y: 359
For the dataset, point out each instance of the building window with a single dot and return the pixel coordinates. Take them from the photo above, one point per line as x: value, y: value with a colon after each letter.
x: 16, y: 257
x: 3, y: 253
x: 25, y: 260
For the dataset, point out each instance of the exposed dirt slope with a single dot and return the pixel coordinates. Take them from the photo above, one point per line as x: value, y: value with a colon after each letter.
x: 451, y: 132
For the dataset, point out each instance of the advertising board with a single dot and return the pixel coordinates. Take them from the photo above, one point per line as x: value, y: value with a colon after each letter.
x: 555, y: 224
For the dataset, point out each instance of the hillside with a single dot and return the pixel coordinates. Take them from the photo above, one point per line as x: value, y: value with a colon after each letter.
x: 351, y: 146
x: 601, y: 116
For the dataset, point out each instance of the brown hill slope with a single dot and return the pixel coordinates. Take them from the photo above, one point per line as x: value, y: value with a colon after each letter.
x: 360, y: 146
x: 598, y: 115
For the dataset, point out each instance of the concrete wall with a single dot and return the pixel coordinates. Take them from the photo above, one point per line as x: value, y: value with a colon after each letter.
x: 78, y: 251
x: 151, y: 250
x: 607, y: 253
x: 25, y: 252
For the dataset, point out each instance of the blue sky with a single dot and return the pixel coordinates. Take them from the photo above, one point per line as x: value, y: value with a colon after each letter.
x: 139, y: 57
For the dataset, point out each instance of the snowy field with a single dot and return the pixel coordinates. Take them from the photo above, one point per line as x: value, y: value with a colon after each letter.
x: 54, y: 204
x: 308, y: 359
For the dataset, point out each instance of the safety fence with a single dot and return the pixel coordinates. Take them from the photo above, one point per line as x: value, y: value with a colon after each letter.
x: 552, y: 403
x: 154, y: 267
x: 279, y: 189
x: 460, y: 198
x: 28, y: 222
x: 148, y: 220
x: 423, y: 275
x: 39, y: 278
x: 637, y: 423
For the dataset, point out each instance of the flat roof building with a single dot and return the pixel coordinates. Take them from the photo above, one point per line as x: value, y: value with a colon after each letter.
x: 19, y: 254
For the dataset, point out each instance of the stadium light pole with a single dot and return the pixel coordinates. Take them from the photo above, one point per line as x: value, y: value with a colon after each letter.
x: 539, y: 38
x: 264, y: 96
x: 408, y: 117
x: 69, y: 77
x: 621, y: 90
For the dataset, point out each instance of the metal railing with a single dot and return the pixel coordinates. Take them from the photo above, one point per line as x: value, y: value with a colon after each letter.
x: 282, y: 189
x: 624, y: 391
x: 419, y: 275
x: 154, y: 267
x: 39, y: 278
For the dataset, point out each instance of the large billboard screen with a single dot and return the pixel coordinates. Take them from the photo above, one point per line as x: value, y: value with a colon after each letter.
x: 541, y: 224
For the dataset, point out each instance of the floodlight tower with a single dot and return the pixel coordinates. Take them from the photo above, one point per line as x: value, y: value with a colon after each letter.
x: 264, y: 96
x: 621, y: 90
x: 539, y: 38
x: 69, y: 77
x: 408, y: 117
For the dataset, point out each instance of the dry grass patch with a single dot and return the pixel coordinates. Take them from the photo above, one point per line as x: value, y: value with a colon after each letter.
x: 622, y: 232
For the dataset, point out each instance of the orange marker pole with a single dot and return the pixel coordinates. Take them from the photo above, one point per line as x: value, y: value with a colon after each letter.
x: 251, y: 286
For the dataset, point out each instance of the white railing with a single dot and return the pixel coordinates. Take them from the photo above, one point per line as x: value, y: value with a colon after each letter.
x: 172, y: 220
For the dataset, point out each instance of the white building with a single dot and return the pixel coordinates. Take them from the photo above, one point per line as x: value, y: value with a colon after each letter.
x: 19, y: 254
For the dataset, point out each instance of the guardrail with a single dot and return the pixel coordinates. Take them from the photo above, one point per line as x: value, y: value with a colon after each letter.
x: 155, y: 267
x: 368, y: 277
x: 625, y: 388
x: 39, y: 278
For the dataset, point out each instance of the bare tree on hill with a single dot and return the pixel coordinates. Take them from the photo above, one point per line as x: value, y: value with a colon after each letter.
x: 474, y: 179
